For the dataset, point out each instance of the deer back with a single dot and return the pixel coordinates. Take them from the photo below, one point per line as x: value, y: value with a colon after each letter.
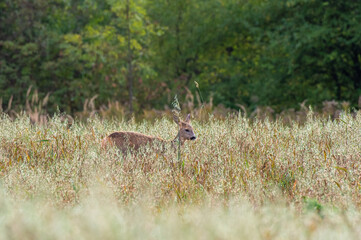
x: 131, y: 141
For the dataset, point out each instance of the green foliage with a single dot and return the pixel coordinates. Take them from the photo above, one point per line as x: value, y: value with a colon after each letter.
x: 312, y: 51
x: 253, y: 53
x: 313, y: 205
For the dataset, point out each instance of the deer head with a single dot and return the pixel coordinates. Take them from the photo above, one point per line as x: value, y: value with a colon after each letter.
x: 185, y: 129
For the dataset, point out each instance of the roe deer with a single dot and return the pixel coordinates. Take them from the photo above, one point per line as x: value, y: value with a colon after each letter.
x: 132, y: 141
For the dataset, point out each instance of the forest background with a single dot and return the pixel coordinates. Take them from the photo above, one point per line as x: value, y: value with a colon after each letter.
x: 140, y: 53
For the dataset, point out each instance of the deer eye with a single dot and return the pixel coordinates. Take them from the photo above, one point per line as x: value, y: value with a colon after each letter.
x: 187, y: 130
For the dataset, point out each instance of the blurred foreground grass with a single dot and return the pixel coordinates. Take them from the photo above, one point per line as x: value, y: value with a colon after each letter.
x: 240, y: 180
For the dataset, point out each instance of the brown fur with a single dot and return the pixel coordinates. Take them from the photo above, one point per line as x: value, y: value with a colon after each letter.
x: 133, y: 141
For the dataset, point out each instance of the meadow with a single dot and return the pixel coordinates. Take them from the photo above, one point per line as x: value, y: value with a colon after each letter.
x: 241, y: 179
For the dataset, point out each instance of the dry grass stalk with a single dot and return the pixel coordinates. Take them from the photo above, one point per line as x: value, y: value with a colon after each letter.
x: 255, y: 179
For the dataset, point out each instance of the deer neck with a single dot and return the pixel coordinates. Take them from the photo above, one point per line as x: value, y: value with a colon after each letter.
x: 176, y: 139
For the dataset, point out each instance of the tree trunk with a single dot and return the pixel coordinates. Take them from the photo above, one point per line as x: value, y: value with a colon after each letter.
x: 129, y: 60
x: 337, y: 82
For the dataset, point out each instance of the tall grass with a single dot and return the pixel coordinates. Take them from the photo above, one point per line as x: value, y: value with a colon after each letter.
x: 240, y: 179
x: 36, y: 109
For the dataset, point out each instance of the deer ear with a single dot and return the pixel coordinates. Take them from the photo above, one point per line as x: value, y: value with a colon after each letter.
x: 176, y: 119
x: 188, y: 118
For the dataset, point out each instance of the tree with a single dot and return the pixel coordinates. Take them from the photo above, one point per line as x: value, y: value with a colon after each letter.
x: 312, y: 51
